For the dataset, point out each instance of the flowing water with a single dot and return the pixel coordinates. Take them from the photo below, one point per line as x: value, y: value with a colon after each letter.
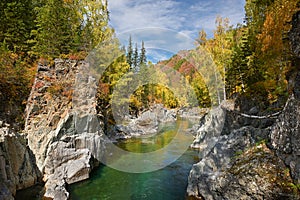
x: 168, y: 183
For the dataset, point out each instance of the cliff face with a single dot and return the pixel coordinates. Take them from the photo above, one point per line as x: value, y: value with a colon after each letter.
x: 62, y: 128
x: 285, y: 137
x: 17, y: 164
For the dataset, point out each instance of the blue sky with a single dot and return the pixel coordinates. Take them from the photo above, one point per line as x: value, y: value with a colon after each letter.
x: 167, y: 26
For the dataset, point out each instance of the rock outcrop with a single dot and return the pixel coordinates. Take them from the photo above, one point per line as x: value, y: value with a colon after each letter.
x: 236, y: 163
x: 69, y: 160
x: 147, y: 123
x: 285, y: 137
x: 294, y: 34
x: 17, y: 164
x: 62, y: 127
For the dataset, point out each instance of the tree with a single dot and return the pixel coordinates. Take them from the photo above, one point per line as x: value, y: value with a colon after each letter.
x: 135, y: 58
x: 57, y: 24
x: 129, y: 56
x: 17, y: 21
x: 143, y: 58
x: 70, y: 26
x: 202, y: 38
x: 94, y: 28
x: 220, y: 49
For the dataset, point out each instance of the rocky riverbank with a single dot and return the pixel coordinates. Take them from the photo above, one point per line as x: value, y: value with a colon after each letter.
x: 246, y: 158
x: 63, y: 136
x: 240, y: 163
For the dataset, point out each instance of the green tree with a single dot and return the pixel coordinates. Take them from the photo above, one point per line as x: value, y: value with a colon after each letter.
x: 65, y: 26
x: 143, y: 58
x: 135, y: 58
x: 94, y: 18
x: 57, y: 23
x: 17, y: 21
x: 129, y: 56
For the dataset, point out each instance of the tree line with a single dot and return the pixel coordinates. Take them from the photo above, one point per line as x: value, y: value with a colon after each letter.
x: 252, y: 58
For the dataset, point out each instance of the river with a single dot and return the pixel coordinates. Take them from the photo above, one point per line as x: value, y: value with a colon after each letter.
x: 168, y: 183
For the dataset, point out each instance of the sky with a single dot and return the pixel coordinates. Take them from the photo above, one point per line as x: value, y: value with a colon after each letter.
x: 168, y: 26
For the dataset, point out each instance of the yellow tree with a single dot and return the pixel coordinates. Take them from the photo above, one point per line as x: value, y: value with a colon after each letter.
x: 275, y: 52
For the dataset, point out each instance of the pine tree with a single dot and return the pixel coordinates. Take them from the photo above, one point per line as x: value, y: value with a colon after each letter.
x: 17, y: 21
x: 135, y: 58
x: 129, y: 56
x: 57, y: 23
x: 143, y: 59
x: 70, y: 26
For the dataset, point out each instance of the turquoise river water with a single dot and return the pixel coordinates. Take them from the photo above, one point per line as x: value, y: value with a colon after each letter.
x: 168, y: 183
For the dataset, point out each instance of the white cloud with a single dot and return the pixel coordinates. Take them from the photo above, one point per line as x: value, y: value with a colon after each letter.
x: 160, y: 22
x: 155, y: 55
x: 129, y: 14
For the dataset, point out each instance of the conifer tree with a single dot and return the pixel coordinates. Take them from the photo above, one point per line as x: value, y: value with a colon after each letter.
x: 56, y: 27
x: 129, y: 56
x: 143, y: 59
x: 94, y: 17
x: 17, y: 21
x: 135, y: 58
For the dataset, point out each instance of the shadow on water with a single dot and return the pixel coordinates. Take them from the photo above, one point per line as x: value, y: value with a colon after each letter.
x: 35, y: 192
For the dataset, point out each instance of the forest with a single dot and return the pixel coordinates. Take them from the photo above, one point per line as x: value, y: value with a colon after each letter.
x: 254, y: 58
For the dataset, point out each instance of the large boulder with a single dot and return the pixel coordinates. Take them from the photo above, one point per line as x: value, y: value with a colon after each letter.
x: 147, y: 123
x: 239, y: 166
x: 69, y: 160
x: 17, y: 164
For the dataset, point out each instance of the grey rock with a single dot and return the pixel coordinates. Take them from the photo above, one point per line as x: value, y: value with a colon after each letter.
x: 211, y: 126
x: 285, y: 137
x: 65, y: 137
x: 42, y: 68
x: 235, y: 168
x: 294, y: 34
x: 236, y: 164
x: 254, y: 110
x: 66, y: 164
x: 17, y: 164
x: 147, y: 123
x: 192, y: 113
